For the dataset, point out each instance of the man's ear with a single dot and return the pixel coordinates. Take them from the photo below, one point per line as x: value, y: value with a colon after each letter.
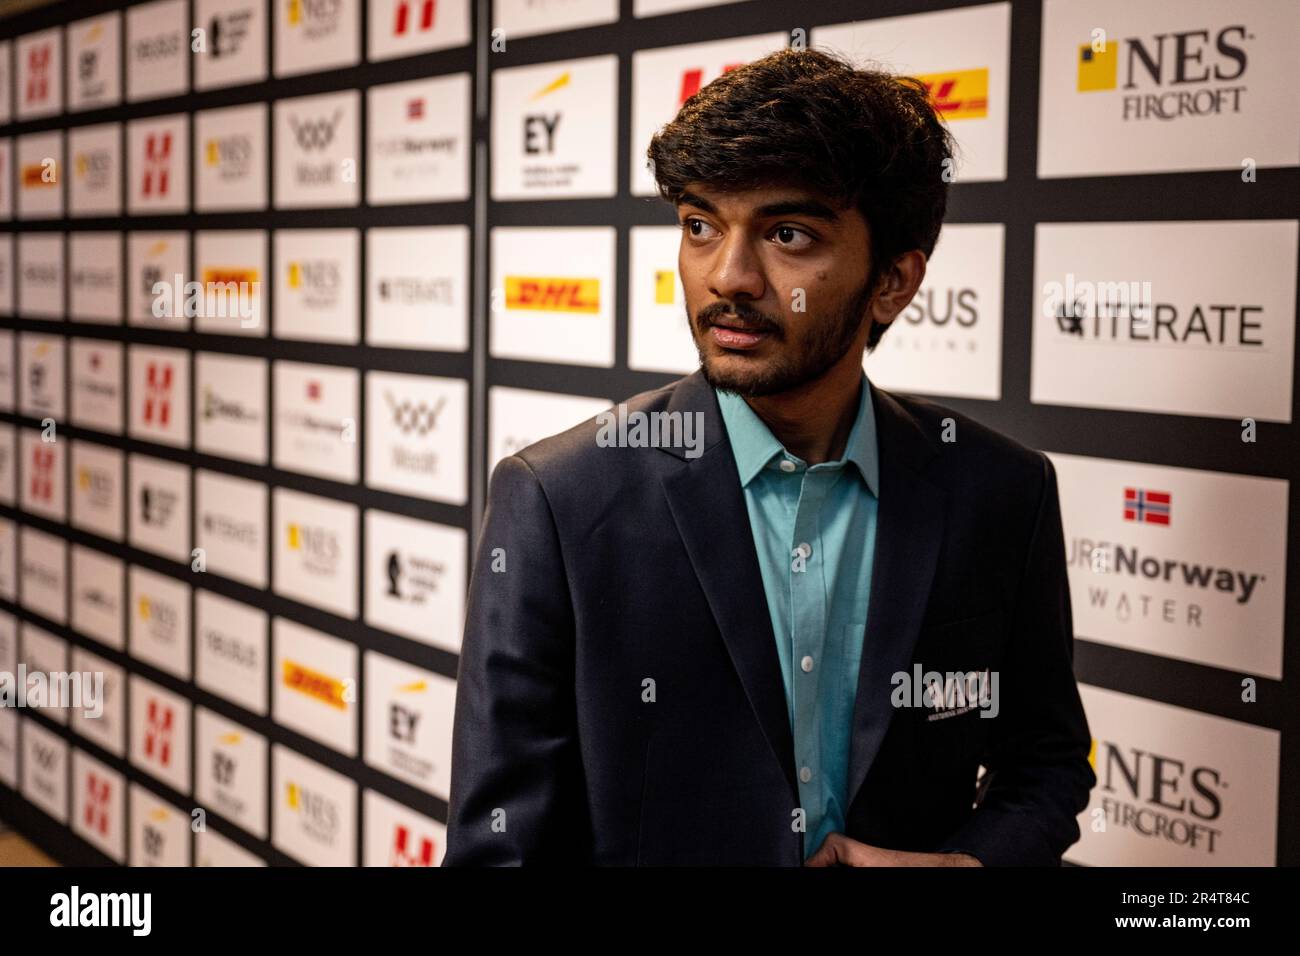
x: 897, y: 285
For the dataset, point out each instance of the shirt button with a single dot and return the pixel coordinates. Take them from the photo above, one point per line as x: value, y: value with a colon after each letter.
x: 806, y: 664
x: 805, y: 774
x: 787, y: 465
x: 805, y: 549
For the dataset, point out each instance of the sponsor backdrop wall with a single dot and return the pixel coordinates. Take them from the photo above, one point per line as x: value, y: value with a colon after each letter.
x: 419, y: 235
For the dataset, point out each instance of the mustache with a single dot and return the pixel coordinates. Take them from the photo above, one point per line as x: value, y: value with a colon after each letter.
x: 739, y: 315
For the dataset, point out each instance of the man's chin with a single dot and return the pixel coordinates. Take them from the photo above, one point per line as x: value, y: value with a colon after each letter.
x: 744, y: 374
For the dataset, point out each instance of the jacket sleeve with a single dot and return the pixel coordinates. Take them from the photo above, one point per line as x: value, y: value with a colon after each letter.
x: 1038, y: 774
x: 517, y: 792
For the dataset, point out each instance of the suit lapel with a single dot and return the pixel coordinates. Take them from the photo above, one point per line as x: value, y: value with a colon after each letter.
x: 909, y: 532
x: 708, y: 507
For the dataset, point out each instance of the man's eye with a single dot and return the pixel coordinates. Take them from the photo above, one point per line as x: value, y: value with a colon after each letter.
x: 791, y: 238
x: 699, y: 228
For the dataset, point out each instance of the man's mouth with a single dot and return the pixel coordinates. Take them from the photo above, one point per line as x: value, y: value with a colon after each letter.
x: 736, y: 334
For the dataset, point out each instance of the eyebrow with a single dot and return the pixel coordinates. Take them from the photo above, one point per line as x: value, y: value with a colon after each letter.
x: 788, y: 207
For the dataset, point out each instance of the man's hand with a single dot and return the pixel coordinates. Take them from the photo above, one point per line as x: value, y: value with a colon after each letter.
x: 839, y: 850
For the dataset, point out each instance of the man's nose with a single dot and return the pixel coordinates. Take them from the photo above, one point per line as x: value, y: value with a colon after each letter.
x: 737, y: 271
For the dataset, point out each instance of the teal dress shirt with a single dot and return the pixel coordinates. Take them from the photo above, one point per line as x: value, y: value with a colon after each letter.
x: 815, y: 532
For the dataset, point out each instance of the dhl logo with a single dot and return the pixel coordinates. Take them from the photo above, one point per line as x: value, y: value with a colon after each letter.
x: 552, y: 295
x: 1098, y: 69
x: 324, y: 688
x: 959, y: 94
x: 223, y: 274
x: 559, y: 83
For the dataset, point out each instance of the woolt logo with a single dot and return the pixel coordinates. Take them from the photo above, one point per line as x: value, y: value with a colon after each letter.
x: 402, y: 849
x: 37, y: 88
x: 402, y: 19
x: 158, y: 733
x: 315, y: 134
x: 158, y: 394
x: 157, y: 163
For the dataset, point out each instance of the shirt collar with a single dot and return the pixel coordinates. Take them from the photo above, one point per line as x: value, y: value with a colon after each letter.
x: 755, y: 447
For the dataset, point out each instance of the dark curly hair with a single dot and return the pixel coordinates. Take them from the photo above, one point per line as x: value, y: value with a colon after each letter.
x: 861, y: 137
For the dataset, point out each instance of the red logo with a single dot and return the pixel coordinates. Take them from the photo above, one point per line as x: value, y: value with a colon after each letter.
x: 403, y: 18
x: 158, y: 394
x: 692, y: 80
x: 415, y: 109
x: 38, y: 75
x: 42, y: 479
x: 1147, y: 506
x: 158, y: 735
x: 402, y: 855
x: 97, y: 791
x: 313, y: 390
x: 157, y: 163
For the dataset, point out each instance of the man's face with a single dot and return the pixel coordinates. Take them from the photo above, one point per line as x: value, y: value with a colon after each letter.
x: 775, y: 281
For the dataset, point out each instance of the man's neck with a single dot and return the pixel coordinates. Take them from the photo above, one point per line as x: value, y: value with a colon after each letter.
x: 814, y: 420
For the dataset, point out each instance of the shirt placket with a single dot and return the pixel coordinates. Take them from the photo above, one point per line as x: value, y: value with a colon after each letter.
x: 808, y: 636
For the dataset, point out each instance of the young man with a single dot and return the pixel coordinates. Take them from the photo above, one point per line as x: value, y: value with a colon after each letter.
x: 798, y: 639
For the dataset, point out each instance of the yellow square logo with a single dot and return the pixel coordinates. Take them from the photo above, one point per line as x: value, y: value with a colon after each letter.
x: 1098, y: 70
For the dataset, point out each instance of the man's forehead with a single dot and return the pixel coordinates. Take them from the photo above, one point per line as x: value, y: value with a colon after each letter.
x: 766, y: 200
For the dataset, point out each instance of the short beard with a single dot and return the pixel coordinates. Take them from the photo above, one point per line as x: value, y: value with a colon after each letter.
x: 826, y: 347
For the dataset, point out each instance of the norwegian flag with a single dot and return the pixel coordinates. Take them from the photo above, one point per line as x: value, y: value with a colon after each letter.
x: 1143, y: 504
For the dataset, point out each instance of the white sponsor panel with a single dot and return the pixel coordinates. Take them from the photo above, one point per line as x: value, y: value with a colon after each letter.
x: 315, y: 815
x: 231, y: 417
x: 40, y: 370
x: 518, y: 417
x: 948, y: 340
x: 1153, y: 88
x: 105, y: 722
x: 230, y: 525
x: 95, y: 164
x: 415, y: 578
x: 38, y: 74
x: 408, y: 723
x: 316, y: 35
x: 44, y: 653
x: 95, y: 62
x: 317, y: 285
x: 554, y: 129
x: 45, y: 770
x: 8, y: 464
x: 158, y: 268
x: 234, y: 43
x: 41, y: 481
x: 963, y: 58
x: 230, y: 159
x: 97, y: 489
x: 1185, y: 318
x: 315, y: 551
x: 99, y: 805
x: 1176, y: 787
x: 160, y: 733
x: 8, y: 560
x: 316, y: 419
x: 317, y: 150
x: 231, y: 265
x: 1177, y: 562
x: 231, y: 650
x: 659, y: 334
x: 159, y: 507
x: 40, y: 275
x: 97, y: 588
x: 160, y: 621
x: 231, y: 771
x: 158, y: 164
x: 553, y: 295
x: 160, y: 831
x: 213, y: 849
x: 159, y: 395
x: 157, y: 50
x: 417, y: 435
x: 6, y: 294
x: 395, y: 835
x: 407, y: 27
x: 96, y: 372
x: 665, y: 78
x: 42, y: 577
x: 417, y: 287
x: 522, y: 18
x: 95, y: 277
x: 316, y: 685
x: 419, y: 140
